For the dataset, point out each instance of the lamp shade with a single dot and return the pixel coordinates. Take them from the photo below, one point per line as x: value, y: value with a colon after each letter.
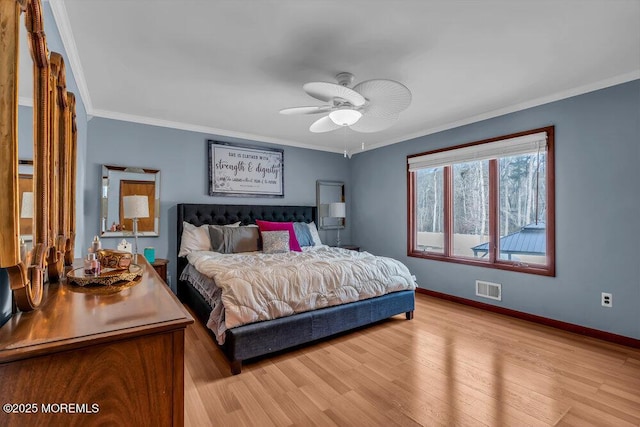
x: 345, y: 116
x: 337, y: 210
x: 135, y: 206
x: 26, y: 210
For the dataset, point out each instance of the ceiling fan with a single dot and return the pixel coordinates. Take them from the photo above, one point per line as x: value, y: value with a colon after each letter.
x: 371, y: 106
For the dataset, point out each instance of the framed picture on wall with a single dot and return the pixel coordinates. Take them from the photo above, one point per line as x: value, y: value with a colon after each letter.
x: 245, y: 171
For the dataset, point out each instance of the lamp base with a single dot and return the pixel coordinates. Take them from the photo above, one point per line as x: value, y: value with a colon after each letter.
x: 135, y: 239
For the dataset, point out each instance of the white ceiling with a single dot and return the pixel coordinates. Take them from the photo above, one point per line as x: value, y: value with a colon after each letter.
x: 228, y: 67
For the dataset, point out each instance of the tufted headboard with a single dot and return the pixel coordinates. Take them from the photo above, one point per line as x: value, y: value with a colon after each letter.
x: 199, y: 214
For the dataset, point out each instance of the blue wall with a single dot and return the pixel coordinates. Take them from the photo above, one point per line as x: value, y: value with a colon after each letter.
x: 597, y: 211
x: 182, y: 158
x: 25, y: 132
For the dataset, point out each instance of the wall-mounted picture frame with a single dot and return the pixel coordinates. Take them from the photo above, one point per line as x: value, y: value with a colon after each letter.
x: 245, y: 171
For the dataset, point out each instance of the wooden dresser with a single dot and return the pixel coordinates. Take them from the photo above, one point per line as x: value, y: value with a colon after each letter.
x: 85, y: 359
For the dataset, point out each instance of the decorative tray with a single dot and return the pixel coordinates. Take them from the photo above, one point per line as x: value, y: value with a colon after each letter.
x: 107, y: 277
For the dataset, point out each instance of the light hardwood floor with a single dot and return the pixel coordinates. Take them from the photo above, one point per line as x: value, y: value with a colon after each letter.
x: 451, y: 365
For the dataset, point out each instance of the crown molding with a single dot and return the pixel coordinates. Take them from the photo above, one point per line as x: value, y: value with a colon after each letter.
x: 114, y: 115
x: 623, y: 78
x: 25, y: 101
x: 580, y: 90
x: 64, y: 28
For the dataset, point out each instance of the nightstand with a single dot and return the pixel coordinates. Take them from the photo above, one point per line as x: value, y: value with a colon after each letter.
x: 350, y: 247
x: 160, y: 265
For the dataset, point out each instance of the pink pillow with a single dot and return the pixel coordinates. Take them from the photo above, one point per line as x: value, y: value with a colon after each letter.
x: 278, y: 226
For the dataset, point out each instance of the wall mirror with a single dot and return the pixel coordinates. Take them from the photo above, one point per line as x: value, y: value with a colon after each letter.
x: 330, y: 202
x: 119, y: 182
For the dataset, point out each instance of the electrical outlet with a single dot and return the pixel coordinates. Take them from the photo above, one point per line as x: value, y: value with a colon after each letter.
x: 607, y: 299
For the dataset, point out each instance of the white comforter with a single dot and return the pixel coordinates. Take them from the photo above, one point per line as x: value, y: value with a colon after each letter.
x: 257, y: 286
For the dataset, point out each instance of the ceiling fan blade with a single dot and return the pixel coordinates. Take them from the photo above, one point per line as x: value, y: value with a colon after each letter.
x: 325, y: 124
x: 386, y: 97
x: 328, y: 91
x: 307, y: 110
x: 370, y: 123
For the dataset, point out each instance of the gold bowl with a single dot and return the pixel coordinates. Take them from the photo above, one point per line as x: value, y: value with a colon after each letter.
x: 111, y: 258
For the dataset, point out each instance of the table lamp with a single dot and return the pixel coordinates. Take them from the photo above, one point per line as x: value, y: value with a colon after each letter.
x: 337, y: 210
x: 135, y: 207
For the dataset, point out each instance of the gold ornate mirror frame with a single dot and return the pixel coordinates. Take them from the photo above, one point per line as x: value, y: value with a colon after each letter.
x: 54, y: 138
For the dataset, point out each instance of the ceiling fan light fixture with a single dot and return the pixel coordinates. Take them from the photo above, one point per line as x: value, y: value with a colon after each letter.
x: 371, y: 106
x: 345, y: 116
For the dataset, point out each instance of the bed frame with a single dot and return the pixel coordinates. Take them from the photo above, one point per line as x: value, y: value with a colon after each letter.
x: 257, y: 339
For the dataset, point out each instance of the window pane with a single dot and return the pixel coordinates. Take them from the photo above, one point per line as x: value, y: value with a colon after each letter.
x: 523, y: 209
x: 430, y: 210
x: 471, y: 209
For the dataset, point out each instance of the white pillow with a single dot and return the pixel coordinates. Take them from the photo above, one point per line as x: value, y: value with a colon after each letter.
x: 314, y: 234
x: 196, y: 238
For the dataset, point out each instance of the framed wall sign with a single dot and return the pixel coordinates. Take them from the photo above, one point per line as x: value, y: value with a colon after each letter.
x: 244, y: 171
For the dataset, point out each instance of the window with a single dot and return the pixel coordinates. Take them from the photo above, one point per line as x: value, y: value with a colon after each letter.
x: 487, y: 203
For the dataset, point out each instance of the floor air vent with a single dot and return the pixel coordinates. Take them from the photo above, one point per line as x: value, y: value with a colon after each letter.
x: 489, y: 290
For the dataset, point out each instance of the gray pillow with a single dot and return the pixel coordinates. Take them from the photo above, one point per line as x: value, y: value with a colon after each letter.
x: 274, y: 242
x: 233, y: 240
x: 217, y: 238
x: 303, y: 234
x: 240, y: 239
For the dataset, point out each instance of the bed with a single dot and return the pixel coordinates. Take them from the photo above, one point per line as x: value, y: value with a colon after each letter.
x: 261, y: 338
